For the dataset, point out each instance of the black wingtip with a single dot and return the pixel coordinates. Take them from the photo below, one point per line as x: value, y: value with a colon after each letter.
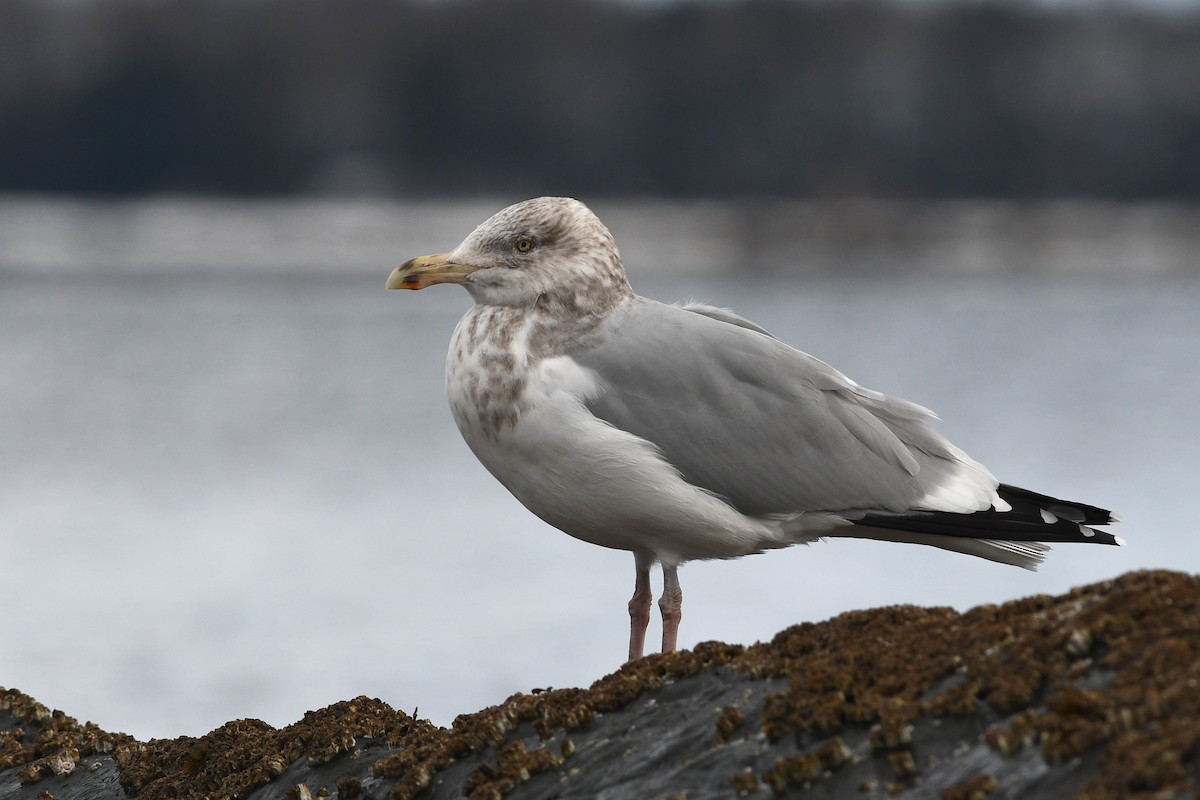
x: 1032, y: 517
x: 1064, y: 509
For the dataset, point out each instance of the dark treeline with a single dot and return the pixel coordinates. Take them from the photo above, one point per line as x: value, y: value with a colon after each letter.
x: 761, y: 97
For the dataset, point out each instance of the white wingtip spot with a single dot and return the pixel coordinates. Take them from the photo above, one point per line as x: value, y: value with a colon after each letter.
x: 1113, y: 517
x: 1120, y: 542
x: 1049, y: 518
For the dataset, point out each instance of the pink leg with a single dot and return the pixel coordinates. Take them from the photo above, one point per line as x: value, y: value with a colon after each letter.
x: 639, y: 612
x: 671, y: 606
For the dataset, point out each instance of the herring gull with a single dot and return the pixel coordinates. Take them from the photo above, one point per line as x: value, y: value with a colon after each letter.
x: 688, y: 432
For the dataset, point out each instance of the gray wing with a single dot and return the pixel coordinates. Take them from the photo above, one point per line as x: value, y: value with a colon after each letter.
x: 772, y: 430
x: 725, y: 315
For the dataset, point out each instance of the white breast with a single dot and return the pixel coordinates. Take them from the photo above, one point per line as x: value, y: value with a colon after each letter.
x: 578, y: 473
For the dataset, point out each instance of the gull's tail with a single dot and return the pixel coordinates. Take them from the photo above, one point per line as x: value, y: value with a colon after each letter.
x: 1014, y: 537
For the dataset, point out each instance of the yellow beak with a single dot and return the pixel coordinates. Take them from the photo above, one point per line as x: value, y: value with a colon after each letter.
x: 427, y: 270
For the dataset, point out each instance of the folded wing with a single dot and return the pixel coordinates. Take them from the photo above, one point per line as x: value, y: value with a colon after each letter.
x: 772, y: 430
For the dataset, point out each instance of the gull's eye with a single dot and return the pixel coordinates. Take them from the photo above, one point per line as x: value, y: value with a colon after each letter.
x: 523, y: 244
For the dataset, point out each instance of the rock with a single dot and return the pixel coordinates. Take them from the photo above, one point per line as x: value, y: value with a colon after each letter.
x: 1091, y: 694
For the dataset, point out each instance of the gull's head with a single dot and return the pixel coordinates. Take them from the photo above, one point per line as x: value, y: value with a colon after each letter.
x: 542, y: 250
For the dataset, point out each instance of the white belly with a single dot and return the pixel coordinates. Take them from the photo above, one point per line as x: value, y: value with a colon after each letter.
x: 582, y: 475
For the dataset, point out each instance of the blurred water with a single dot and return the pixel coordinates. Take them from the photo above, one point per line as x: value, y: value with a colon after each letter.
x: 232, y: 488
